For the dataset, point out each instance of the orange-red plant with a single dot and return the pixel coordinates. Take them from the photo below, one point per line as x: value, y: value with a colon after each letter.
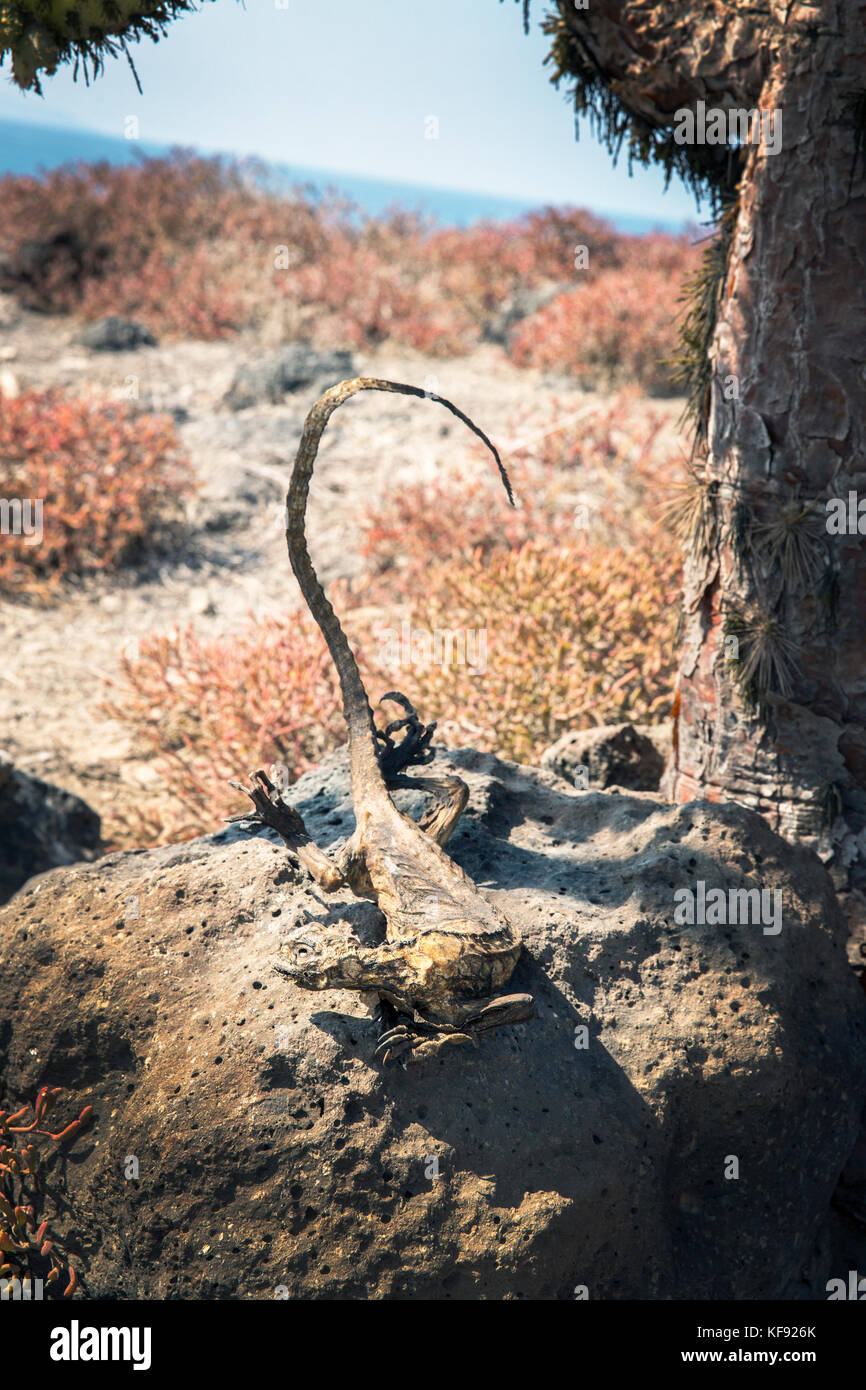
x: 148, y: 239
x: 90, y: 483
x: 214, y: 710
x: 614, y: 327
x: 203, y: 247
x: 27, y: 1249
x: 571, y: 635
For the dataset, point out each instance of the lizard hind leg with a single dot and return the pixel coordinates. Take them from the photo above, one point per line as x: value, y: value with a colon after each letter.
x: 414, y: 748
x: 450, y: 798
x: 272, y: 810
x: 451, y: 794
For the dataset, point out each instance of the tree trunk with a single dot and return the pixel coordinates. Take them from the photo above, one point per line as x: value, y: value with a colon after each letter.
x: 771, y: 705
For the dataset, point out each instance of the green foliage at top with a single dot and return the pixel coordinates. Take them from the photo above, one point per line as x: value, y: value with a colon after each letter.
x: 40, y: 35
x: 711, y: 172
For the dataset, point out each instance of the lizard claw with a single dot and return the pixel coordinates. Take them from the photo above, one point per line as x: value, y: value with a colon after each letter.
x: 414, y: 747
x: 393, y: 1044
x: 414, y: 1042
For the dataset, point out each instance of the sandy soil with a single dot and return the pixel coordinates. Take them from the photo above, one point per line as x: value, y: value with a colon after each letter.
x: 233, y: 563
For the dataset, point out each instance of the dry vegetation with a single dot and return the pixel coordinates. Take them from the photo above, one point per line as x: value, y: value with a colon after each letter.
x: 576, y: 599
x: 111, y: 483
x: 200, y: 248
x: 577, y: 609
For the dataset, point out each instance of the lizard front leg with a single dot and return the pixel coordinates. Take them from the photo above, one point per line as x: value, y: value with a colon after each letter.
x: 411, y: 1038
x: 416, y: 1038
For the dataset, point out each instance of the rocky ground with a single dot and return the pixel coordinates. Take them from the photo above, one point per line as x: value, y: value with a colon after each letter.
x: 273, y: 1153
x: 671, y: 1123
x: 233, y: 563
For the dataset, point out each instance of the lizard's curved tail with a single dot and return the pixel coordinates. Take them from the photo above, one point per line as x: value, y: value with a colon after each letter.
x: 366, y: 776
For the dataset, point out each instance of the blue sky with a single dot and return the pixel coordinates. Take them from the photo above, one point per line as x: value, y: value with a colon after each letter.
x: 346, y: 85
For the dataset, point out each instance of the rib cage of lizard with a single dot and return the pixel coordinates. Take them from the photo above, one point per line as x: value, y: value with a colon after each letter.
x: 447, y: 949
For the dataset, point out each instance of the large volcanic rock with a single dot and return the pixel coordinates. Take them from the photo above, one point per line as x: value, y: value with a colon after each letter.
x: 116, y: 334
x: 40, y: 826
x: 266, y: 380
x: 611, y: 755
x: 274, y: 1155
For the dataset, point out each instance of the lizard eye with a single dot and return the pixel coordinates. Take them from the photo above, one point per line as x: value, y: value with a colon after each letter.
x: 299, y: 946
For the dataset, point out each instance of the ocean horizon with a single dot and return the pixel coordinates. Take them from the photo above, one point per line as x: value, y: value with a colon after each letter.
x: 30, y: 148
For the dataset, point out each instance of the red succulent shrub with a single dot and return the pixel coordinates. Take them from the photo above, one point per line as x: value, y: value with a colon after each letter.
x: 102, y: 479
x: 614, y: 327
x: 215, y: 709
x: 204, y: 247
x: 578, y: 624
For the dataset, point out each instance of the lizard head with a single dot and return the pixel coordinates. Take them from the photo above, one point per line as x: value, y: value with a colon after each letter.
x: 313, y: 960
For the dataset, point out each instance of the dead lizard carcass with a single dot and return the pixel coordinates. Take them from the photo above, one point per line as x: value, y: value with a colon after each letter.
x: 447, y: 949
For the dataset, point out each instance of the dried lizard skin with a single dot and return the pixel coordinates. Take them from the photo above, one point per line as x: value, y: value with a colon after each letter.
x: 447, y: 949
